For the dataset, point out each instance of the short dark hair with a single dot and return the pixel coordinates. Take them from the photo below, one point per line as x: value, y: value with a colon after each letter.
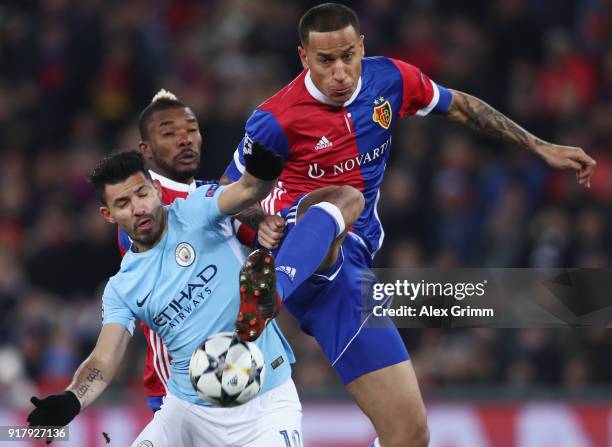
x: 116, y: 168
x: 325, y: 18
x: 158, y: 104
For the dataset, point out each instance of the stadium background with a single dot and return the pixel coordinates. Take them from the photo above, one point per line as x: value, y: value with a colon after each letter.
x: 75, y: 74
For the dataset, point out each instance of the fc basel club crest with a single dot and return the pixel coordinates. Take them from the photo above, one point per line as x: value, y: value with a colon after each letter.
x: 184, y: 254
x: 382, y: 112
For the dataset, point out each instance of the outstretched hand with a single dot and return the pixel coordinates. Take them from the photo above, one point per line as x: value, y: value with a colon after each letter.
x: 56, y: 410
x: 569, y: 157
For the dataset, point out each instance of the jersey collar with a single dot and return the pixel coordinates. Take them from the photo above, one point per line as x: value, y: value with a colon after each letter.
x: 321, y: 97
x: 171, y: 184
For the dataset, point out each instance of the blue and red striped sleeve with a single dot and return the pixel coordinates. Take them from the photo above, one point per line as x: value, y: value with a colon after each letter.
x: 263, y: 128
x: 420, y: 95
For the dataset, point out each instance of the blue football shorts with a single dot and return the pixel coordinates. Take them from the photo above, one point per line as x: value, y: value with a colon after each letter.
x: 330, y: 307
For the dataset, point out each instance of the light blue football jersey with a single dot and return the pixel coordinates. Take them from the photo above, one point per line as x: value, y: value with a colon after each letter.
x: 186, y: 289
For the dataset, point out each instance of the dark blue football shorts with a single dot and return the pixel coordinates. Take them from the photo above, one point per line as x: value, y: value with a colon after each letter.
x: 331, y: 308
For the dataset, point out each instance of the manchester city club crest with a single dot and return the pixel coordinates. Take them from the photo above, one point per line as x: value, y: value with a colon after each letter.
x: 382, y: 112
x: 184, y: 254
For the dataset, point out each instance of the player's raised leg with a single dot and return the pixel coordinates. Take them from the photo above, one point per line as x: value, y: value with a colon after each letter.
x: 390, y: 397
x: 322, y: 218
x: 371, y: 361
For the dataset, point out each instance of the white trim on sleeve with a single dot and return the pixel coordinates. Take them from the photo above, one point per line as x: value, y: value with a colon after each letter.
x: 434, y: 101
x: 239, y: 165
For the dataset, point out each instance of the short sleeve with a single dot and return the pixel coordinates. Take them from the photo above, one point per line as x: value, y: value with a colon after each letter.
x: 263, y: 128
x: 201, y: 205
x: 114, y: 310
x: 420, y: 95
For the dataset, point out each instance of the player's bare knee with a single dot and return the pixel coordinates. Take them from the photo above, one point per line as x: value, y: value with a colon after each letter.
x: 347, y: 199
x: 350, y: 202
x: 424, y: 441
x: 415, y: 434
x: 400, y: 434
x: 420, y: 435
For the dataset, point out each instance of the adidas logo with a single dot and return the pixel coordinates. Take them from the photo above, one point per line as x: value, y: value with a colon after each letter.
x: 322, y: 144
x: 289, y: 271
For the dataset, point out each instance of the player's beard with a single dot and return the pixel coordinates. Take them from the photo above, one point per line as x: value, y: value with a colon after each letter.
x: 149, y: 238
x: 177, y: 173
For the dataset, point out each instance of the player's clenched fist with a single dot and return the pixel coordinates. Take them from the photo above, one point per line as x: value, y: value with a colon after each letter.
x: 271, y: 231
x: 55, y: 410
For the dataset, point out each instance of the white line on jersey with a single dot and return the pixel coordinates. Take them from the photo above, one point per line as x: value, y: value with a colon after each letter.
x: 156, y: 365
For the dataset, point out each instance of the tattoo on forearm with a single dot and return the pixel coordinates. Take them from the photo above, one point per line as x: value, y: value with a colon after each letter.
x: 538, y: 142
x: 82, y: 390
x: 93, y: 375
x: 482, y: 117
x: 251, y: 216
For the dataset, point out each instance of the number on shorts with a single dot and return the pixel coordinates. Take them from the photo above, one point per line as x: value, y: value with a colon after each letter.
x: 295, y: 440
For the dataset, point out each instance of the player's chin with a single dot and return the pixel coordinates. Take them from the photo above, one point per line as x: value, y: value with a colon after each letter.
x: 147, y: 236
x: 186, y: 171
x: 340, y: 99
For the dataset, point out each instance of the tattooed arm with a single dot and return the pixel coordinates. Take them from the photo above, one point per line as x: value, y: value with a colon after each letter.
x: 90, y: 379
x: 481, y: 117
x: 270, y: 229
x: 96, y: 372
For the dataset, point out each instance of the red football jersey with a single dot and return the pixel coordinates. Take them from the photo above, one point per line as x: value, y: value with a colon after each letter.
x: 324, y: 144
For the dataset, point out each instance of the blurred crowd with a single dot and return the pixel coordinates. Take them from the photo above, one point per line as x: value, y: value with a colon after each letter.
x: 75, y: 74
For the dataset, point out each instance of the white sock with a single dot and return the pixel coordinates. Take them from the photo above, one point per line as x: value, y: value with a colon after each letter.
x: 336, y: 214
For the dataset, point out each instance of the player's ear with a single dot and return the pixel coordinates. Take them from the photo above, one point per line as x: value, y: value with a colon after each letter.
x: 303, y: 58
x: 106, y: 215
x: 145, y: 150
x: 158, y: 188
x: 361, y: 45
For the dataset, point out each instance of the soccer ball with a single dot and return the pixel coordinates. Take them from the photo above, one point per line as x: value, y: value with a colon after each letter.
x: 226, y: 371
